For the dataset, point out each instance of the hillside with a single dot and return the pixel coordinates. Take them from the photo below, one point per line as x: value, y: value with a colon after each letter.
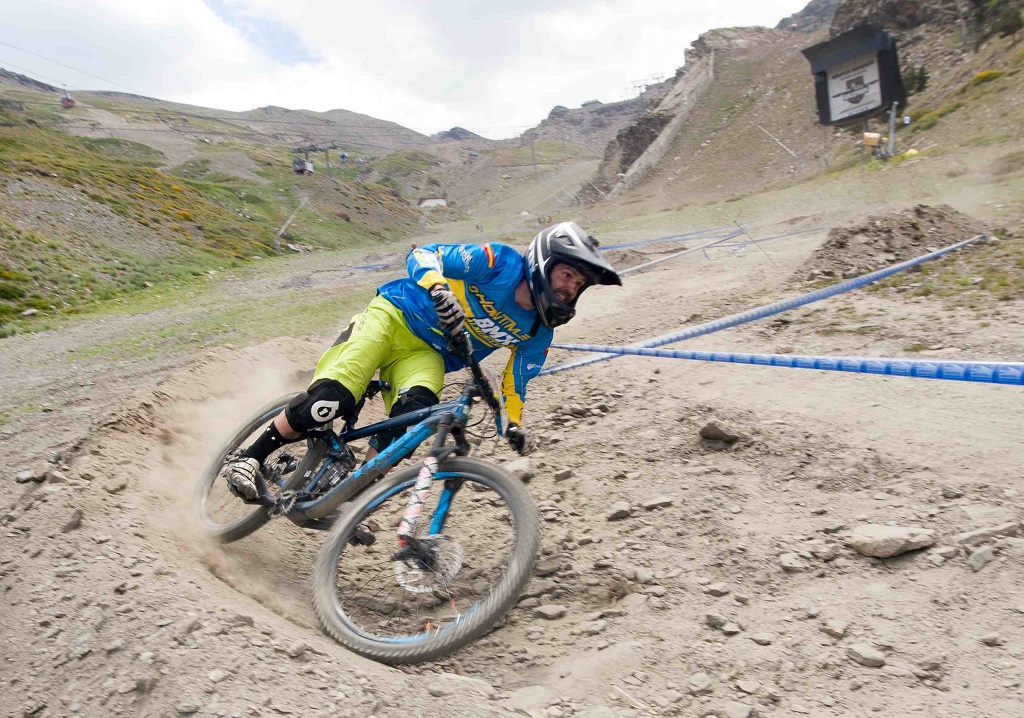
x: 595, y: 123
x: 268, y: 124
x: 88, y: 219
x: 755, y: 125
x: 817, y: 15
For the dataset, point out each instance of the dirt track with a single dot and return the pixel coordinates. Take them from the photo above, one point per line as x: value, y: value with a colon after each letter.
x: 130, y: 614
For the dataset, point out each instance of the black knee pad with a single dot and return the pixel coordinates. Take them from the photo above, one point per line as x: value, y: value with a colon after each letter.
x: 323, y: 401
x: 412, y: 399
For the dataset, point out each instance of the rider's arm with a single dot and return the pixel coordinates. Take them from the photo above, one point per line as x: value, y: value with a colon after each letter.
x: 524, y: 363
x: 431, y: 264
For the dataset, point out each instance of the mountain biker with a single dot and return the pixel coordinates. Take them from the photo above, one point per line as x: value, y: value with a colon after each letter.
x: 499, y: 296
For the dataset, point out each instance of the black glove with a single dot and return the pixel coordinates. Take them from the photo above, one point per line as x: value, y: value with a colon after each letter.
x: 449, y: 310
x: 519, y: 439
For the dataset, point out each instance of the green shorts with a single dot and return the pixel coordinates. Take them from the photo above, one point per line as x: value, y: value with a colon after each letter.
x: 379, y: 338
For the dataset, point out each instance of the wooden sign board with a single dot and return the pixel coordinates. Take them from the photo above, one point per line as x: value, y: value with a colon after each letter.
x: 856, y: 74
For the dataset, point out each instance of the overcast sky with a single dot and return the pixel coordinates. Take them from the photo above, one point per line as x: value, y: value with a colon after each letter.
x: 493, y: 67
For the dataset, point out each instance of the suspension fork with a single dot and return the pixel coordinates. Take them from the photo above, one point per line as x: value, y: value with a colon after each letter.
x: 424, y: 480
x: 444, y: 504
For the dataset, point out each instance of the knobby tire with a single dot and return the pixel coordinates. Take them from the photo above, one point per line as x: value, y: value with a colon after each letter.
x: 501, y: 598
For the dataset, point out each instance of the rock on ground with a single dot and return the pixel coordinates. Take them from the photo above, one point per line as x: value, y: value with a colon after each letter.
x: 882, y: 541
x: 865, y: 655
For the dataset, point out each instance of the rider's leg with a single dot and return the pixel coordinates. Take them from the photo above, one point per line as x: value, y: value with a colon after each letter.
x: 322, y: 402
x: 416, y: 377
x: 341, y: 375
x: 409, y: 400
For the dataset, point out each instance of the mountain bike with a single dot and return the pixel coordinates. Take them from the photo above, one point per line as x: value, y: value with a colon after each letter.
x: 407, y: 573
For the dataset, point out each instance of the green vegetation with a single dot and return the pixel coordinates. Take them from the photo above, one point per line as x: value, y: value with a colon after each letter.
x: 46, y: 275
x: 193, y: 169
x: 995, y: 270
x: 406, y: 162
x: 985, y: 76
x: 1008, y: 17
x: 390, y: 182
x: 241, y: 324
x: 915, y: 79
x: 925, y: 119
x: 187, y: 224
x: 127, y: 151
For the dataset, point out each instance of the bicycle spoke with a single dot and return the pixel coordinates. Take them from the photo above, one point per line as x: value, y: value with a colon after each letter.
x: 374, y: 595
x: 370, y: 579
x: 397, y: 611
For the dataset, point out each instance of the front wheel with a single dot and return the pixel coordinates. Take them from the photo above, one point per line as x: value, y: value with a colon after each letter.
x: 476, y: 546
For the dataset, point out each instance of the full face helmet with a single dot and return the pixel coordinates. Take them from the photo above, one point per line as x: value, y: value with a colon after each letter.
x: 563, y: 243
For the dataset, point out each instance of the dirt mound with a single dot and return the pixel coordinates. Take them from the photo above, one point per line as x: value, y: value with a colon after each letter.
x: 622, y: 258
x: 887, y: 239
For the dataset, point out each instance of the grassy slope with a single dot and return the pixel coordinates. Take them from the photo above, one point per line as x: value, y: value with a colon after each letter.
x: 184, y: 224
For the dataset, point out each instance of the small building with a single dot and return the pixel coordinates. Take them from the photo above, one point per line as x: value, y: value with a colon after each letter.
x: 591, y: 103
x: 432, y: 202
x: 301, y: 166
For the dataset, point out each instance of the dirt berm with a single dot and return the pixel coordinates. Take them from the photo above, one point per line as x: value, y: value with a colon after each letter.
x: 886, y: 239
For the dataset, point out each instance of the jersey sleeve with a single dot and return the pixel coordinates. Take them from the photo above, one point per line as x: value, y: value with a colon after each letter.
x: 524, y: 363
x: 431, y: 264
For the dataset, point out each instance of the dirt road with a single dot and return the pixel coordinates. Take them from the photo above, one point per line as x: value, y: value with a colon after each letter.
x: 729, y: 589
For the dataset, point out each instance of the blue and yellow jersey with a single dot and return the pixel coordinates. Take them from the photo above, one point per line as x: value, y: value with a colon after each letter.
x: 484, y: 278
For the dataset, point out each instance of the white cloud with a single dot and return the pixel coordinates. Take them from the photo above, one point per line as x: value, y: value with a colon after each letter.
x: 495, y: 68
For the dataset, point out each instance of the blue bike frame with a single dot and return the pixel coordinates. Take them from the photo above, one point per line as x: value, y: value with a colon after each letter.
x: 424, y: 424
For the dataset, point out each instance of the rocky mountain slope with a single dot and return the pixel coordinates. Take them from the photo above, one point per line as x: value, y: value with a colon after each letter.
x: 816, y: 16
x: 596, y: 123
x: 272, y: 124
x: 755, y: 125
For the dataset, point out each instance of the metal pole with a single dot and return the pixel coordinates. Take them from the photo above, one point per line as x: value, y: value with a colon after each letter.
x: 892, y: 130
x: 659, y: 260
x: 779, y: 141
x: 277, y: 237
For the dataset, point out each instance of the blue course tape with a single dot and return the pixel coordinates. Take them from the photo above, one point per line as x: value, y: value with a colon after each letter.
x: 987, y: 372
x: 383, y: 265
x: 767, y: 310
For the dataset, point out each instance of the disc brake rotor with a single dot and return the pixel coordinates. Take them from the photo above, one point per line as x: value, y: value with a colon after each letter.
x: 415, y: 577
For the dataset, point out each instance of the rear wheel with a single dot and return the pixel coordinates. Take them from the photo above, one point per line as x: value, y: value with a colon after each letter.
x: 224, y: 515
x: 453, y: 586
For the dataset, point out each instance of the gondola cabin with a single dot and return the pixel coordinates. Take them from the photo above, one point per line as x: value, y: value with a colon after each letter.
x: 301, y: 166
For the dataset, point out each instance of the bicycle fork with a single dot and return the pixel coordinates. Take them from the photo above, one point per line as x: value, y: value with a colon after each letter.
x: 421, y: 491
x: 420, y: 494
